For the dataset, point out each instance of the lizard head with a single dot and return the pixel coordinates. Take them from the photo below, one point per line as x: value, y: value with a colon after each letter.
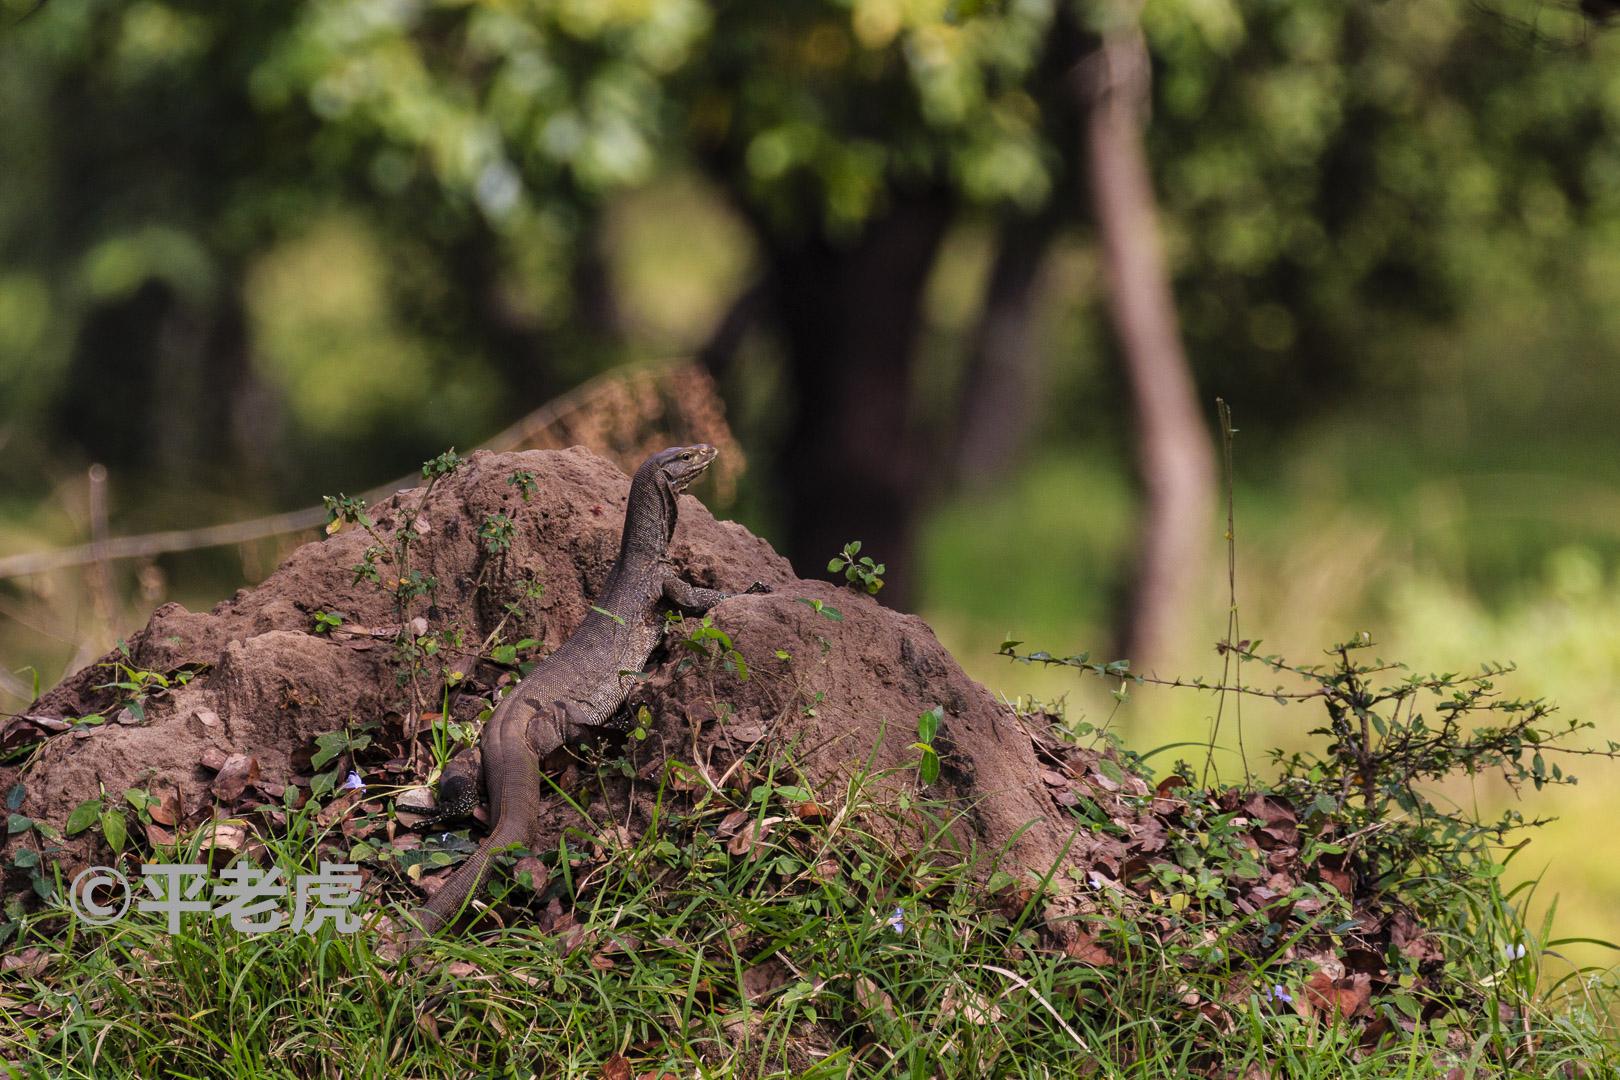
x: 681, y: 465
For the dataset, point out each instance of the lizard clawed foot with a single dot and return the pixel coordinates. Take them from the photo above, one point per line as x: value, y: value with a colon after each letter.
x: 756, y: 588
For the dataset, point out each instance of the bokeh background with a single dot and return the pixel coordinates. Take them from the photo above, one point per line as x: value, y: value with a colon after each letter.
x: 257, y: 252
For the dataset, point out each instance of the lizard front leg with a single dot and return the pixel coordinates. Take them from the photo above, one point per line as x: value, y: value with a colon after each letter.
x: 461, y: 790
x: 694, y: 598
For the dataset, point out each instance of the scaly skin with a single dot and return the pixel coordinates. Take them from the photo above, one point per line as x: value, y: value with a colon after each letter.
x: 584, y: 682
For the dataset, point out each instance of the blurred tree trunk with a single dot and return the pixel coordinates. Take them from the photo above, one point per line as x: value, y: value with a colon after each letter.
x: 160, y: 385
x: 1000, y: 390
x: 1173, y: 451
x: 535, y: 362
x: 849, y: 318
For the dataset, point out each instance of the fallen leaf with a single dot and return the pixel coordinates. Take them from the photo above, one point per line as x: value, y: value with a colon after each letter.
x: 613, y: 838
x: 1085, y: 949
x: 1343, y: 997
x: 750, y: 841
x: 29, y: 961
x: 166, y: 811
x: 731, y: 823
x: 765, y: 978
x: 869, y: 997
x: 572, y: 938
x: 970, y: 1005
x: 224, y: 837
x: 616, y: 1067
x: 1339, y: 879
x: 235, y: 774
x: 534, y: 868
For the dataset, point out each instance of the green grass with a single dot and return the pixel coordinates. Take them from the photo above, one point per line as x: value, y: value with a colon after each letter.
x: 686, y: 953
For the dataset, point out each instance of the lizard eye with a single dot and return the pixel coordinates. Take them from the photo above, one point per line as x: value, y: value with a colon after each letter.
x: 687, y: 456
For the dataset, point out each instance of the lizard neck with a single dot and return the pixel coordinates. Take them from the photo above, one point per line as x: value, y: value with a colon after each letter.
x: 649, y: 522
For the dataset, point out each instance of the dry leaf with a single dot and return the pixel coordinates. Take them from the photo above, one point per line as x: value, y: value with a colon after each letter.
x: 731, y: 823
x: 1085, y: 949
x: 970, y: 1005
x: 872, y: 999
x: 536, y: 870
x: 765, y: 978
x: 235, y: 774
x: 166, y: 811
x: 750, y: 841
x: 224, y: 837
x: 572, y: 938
x: 29, y: 961
x: 1344, y: 997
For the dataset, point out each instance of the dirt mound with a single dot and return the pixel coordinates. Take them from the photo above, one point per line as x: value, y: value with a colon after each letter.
x: 256, y: 678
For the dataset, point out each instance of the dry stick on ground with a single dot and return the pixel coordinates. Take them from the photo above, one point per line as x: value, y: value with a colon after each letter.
x: 1173, y: 451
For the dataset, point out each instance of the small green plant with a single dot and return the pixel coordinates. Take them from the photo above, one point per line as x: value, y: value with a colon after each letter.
x: 714, y: 644
x: 523, y: 480
x: 858, y: 569
x: 24, y: 859
x: 335, y: 748
x: 440, y: 467
x: 344, y: 510
x: 138, y: 685
x: 327, y: 621
x: 496, y: 532
x: 1382, y: 756
x: 95, y: 812
x: 823, y: 609
x: 927, y: 728
x: 507, y: 654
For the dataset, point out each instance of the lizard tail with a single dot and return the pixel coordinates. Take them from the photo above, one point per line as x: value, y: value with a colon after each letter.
x: 443, y: 906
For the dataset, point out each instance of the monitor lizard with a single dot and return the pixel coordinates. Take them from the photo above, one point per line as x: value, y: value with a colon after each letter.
x: 583, y: 683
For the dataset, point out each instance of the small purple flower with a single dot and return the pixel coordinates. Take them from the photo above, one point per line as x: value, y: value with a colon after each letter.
x: 353, y: 782
x: 1515, y: 951
x: 1279, y: 994
x: 897, y: 921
